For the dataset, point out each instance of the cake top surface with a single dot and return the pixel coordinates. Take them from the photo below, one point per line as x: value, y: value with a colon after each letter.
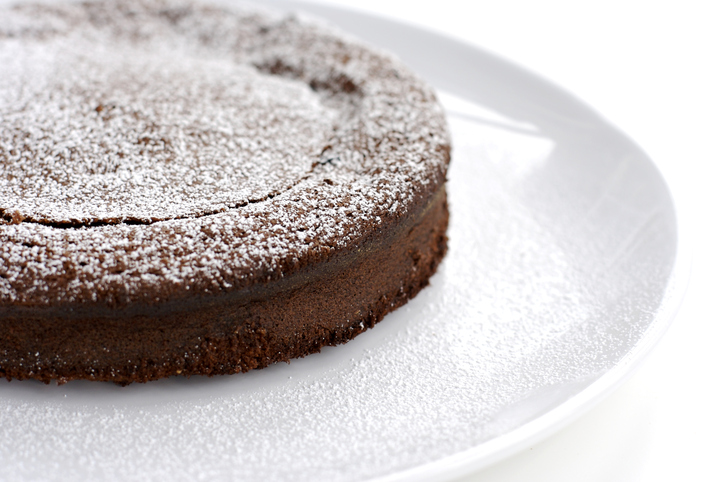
x: 151, y: 148
x: 97, y: 133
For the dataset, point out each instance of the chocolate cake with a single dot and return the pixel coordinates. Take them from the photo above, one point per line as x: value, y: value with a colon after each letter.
x: 195, y: 189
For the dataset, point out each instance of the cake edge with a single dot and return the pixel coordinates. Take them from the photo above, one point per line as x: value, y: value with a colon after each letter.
x: 292, y: 317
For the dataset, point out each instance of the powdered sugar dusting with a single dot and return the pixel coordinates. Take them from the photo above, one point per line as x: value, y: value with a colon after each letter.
x: 116, y: 133
x: 168, y: 144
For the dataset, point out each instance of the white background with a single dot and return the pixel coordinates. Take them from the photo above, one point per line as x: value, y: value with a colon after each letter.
x: 657, y: 70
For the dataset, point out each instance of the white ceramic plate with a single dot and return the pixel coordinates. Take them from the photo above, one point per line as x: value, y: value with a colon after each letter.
x: 564, y: 269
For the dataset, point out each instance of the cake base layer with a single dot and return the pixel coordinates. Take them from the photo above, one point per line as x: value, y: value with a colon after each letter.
x: 326, y: 304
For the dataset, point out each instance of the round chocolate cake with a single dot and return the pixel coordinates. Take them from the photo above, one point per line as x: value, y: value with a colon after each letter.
x: 195, y: 189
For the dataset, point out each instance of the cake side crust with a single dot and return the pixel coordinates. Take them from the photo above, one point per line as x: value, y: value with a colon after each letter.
x: 240, y: 331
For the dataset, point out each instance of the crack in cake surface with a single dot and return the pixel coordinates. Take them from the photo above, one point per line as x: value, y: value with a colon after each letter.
x: 101, y: 134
